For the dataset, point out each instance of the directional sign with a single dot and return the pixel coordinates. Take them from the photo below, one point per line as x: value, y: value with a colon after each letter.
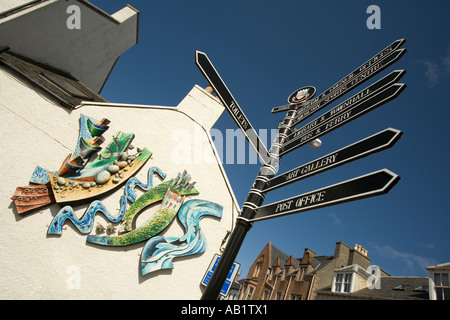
x: 210, y: 73
x: 310, y: 110
x: 358, y: 98
x: 342, y: 117
x: 372, y: 184
x: 370, y: 145
x: 300, y: 108
x: 373, y: 66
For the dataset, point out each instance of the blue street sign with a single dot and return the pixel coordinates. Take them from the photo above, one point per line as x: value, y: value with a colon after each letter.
x: 230, y: 277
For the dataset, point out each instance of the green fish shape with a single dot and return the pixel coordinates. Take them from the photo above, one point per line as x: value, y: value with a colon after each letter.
x: 154, y: 225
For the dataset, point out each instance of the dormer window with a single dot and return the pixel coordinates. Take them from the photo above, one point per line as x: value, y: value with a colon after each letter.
x: 441, y: 285
x: 342, y: 282
x: 301, y: 273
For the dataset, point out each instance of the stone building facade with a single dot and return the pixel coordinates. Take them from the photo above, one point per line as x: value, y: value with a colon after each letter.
x: 277, y: 276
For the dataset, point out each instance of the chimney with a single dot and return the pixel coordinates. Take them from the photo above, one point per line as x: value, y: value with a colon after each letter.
x: 341, y: 250
x: 360, y: 249
x: 359, y: 256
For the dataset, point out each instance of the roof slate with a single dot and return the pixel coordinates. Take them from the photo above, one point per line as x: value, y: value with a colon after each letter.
x: 413, y: 289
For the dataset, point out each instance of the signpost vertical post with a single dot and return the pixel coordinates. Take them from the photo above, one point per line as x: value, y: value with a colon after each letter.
x: 254, y: 200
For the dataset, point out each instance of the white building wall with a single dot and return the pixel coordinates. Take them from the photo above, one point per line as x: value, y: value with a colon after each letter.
x: 96, y: 45
x: 37, y: 131
x: 6, y: 5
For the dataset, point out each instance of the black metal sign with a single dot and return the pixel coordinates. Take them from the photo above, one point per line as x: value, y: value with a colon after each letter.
x: 361, y: 96
x: 337, y: 117
x: 373, y: 66
x: 300, y: 108
x: 227, y: 99
x: 369, y: 185
x: 370, y: 145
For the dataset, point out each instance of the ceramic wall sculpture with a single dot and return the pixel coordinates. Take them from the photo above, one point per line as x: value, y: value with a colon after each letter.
x: 159, y: 252
x: 77, y: 178
x: 81, y: 178
x: 171, y: 194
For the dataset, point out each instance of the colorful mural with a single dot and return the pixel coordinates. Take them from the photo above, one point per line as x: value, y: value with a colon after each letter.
x: 170, y: 193
x: 80, y: 178
x: 86, y: 223
x: 159, y: 252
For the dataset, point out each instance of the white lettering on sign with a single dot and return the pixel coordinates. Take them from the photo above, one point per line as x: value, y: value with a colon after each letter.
x: 319, y: 164
x: 304, y: 201
x: 310, y: 199
x: 336, y: 110
x: 337, y: 120
x: 313, y: 166
x: 350, y: 102
x: 284, y: 206
x: 239, y: 116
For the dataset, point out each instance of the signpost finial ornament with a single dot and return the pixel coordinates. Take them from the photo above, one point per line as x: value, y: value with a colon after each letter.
x: 302, y: 94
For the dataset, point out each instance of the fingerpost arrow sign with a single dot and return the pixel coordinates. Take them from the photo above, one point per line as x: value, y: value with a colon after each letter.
x: 341, y: 117
x: 369, y: 185
x: 374, y: 65
x: 369, y: 92
x: 288, y: 139
x: 227, y: 99
x: 363, y: 148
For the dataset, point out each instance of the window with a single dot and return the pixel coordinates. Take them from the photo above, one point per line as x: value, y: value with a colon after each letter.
x: 257, y: 270
x: 285, y: 274
x: 296, y: 297
x: 338, y: 282
x: 301, y: 273
x: 441, y: 286
x: 249, y: 293
x: 343, y: 282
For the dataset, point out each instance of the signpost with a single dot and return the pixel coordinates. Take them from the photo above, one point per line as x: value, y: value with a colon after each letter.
x: 377, y: 63
x: 339, y: 116
x: 361, y: 96
x: 227, y: 99
x: 370, y: 185
x: 288, y: 139
x: 378, y: 142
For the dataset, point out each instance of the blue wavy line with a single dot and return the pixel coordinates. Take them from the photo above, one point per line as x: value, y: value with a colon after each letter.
x: 159, y: 252
x: 134, y: 182
x: 86, y: 223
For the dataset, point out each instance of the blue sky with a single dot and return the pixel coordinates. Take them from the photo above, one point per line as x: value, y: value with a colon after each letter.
x: 264, y: 50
